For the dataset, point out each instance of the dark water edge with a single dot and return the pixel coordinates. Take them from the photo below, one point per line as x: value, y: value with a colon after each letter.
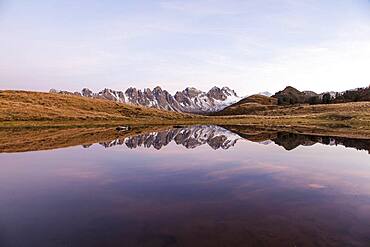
x: 197, y: 186
x: 223, y: 138
x: 26, y: 140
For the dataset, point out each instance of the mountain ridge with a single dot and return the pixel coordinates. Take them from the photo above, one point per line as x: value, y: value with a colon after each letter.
x: 189, y: 100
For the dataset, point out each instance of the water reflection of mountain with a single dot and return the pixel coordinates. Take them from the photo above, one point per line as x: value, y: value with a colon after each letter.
x: 291, y: 141
x: 218, y: 137
x: 190, y: 137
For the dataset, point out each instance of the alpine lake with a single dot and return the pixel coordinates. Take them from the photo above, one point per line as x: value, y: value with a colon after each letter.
x: 186, y: 186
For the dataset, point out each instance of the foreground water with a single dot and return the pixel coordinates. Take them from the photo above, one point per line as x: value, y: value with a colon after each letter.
x: 198, y: 186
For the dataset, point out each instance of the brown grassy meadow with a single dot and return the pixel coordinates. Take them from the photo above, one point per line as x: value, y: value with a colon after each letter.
x: 23, y: 109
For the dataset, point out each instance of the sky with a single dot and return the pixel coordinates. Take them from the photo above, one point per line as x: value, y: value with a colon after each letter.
x: 248, y: 45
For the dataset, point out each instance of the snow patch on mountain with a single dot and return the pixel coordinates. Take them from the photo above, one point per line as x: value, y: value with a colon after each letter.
x: 265, y: 93
x: 189, y: 100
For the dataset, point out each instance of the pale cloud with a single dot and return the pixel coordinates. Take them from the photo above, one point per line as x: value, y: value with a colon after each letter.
x: 248, y: 45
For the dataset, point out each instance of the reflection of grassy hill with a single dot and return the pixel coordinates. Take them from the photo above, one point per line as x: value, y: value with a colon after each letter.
x: 25, y: 139
x: 33, y: 139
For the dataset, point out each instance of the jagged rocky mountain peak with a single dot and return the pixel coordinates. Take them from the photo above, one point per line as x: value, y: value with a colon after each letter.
x: 221, y: 93
x: 229, y: 91
x: 147, y: 90
x: 216, y: 93
x: 113, y: 95
x: 192, y: 92
x: 190, y: 99
x: 157, y: 89
x: 87, y: 92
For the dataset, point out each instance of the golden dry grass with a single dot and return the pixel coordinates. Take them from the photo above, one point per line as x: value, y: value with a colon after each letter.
x: 259, y: 99
x: 36, y: 139
x: 37, y: 106
x: 34, y: 109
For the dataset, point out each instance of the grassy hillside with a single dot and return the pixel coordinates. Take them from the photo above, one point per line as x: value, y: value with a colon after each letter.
x: 345, y: 119
x: 35, y: 110
x: 258, y: 99
x: 267, y: 106
x: 251, y: 105
x: 36, y: 106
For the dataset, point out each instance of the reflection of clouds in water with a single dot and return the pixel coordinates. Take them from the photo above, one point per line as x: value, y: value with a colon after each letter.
x: 287, y: 169
x: 316, y: 186
x: 291, y: 141
x: 307, y: 168
x: 304, y: 168
x: 251, y: 167
x: 76, y: 173
x: 263, y: 190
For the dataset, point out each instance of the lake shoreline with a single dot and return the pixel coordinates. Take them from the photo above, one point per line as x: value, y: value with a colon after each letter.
x: 296, y: 124
x: 33, y: 138
x: 35, y: 110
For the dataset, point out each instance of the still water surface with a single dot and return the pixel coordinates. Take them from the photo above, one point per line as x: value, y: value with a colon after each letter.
x: 198, y: 186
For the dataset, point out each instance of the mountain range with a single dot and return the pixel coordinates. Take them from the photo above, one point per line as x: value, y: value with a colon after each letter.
x: 190, y: 100
x: 222, y: 101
